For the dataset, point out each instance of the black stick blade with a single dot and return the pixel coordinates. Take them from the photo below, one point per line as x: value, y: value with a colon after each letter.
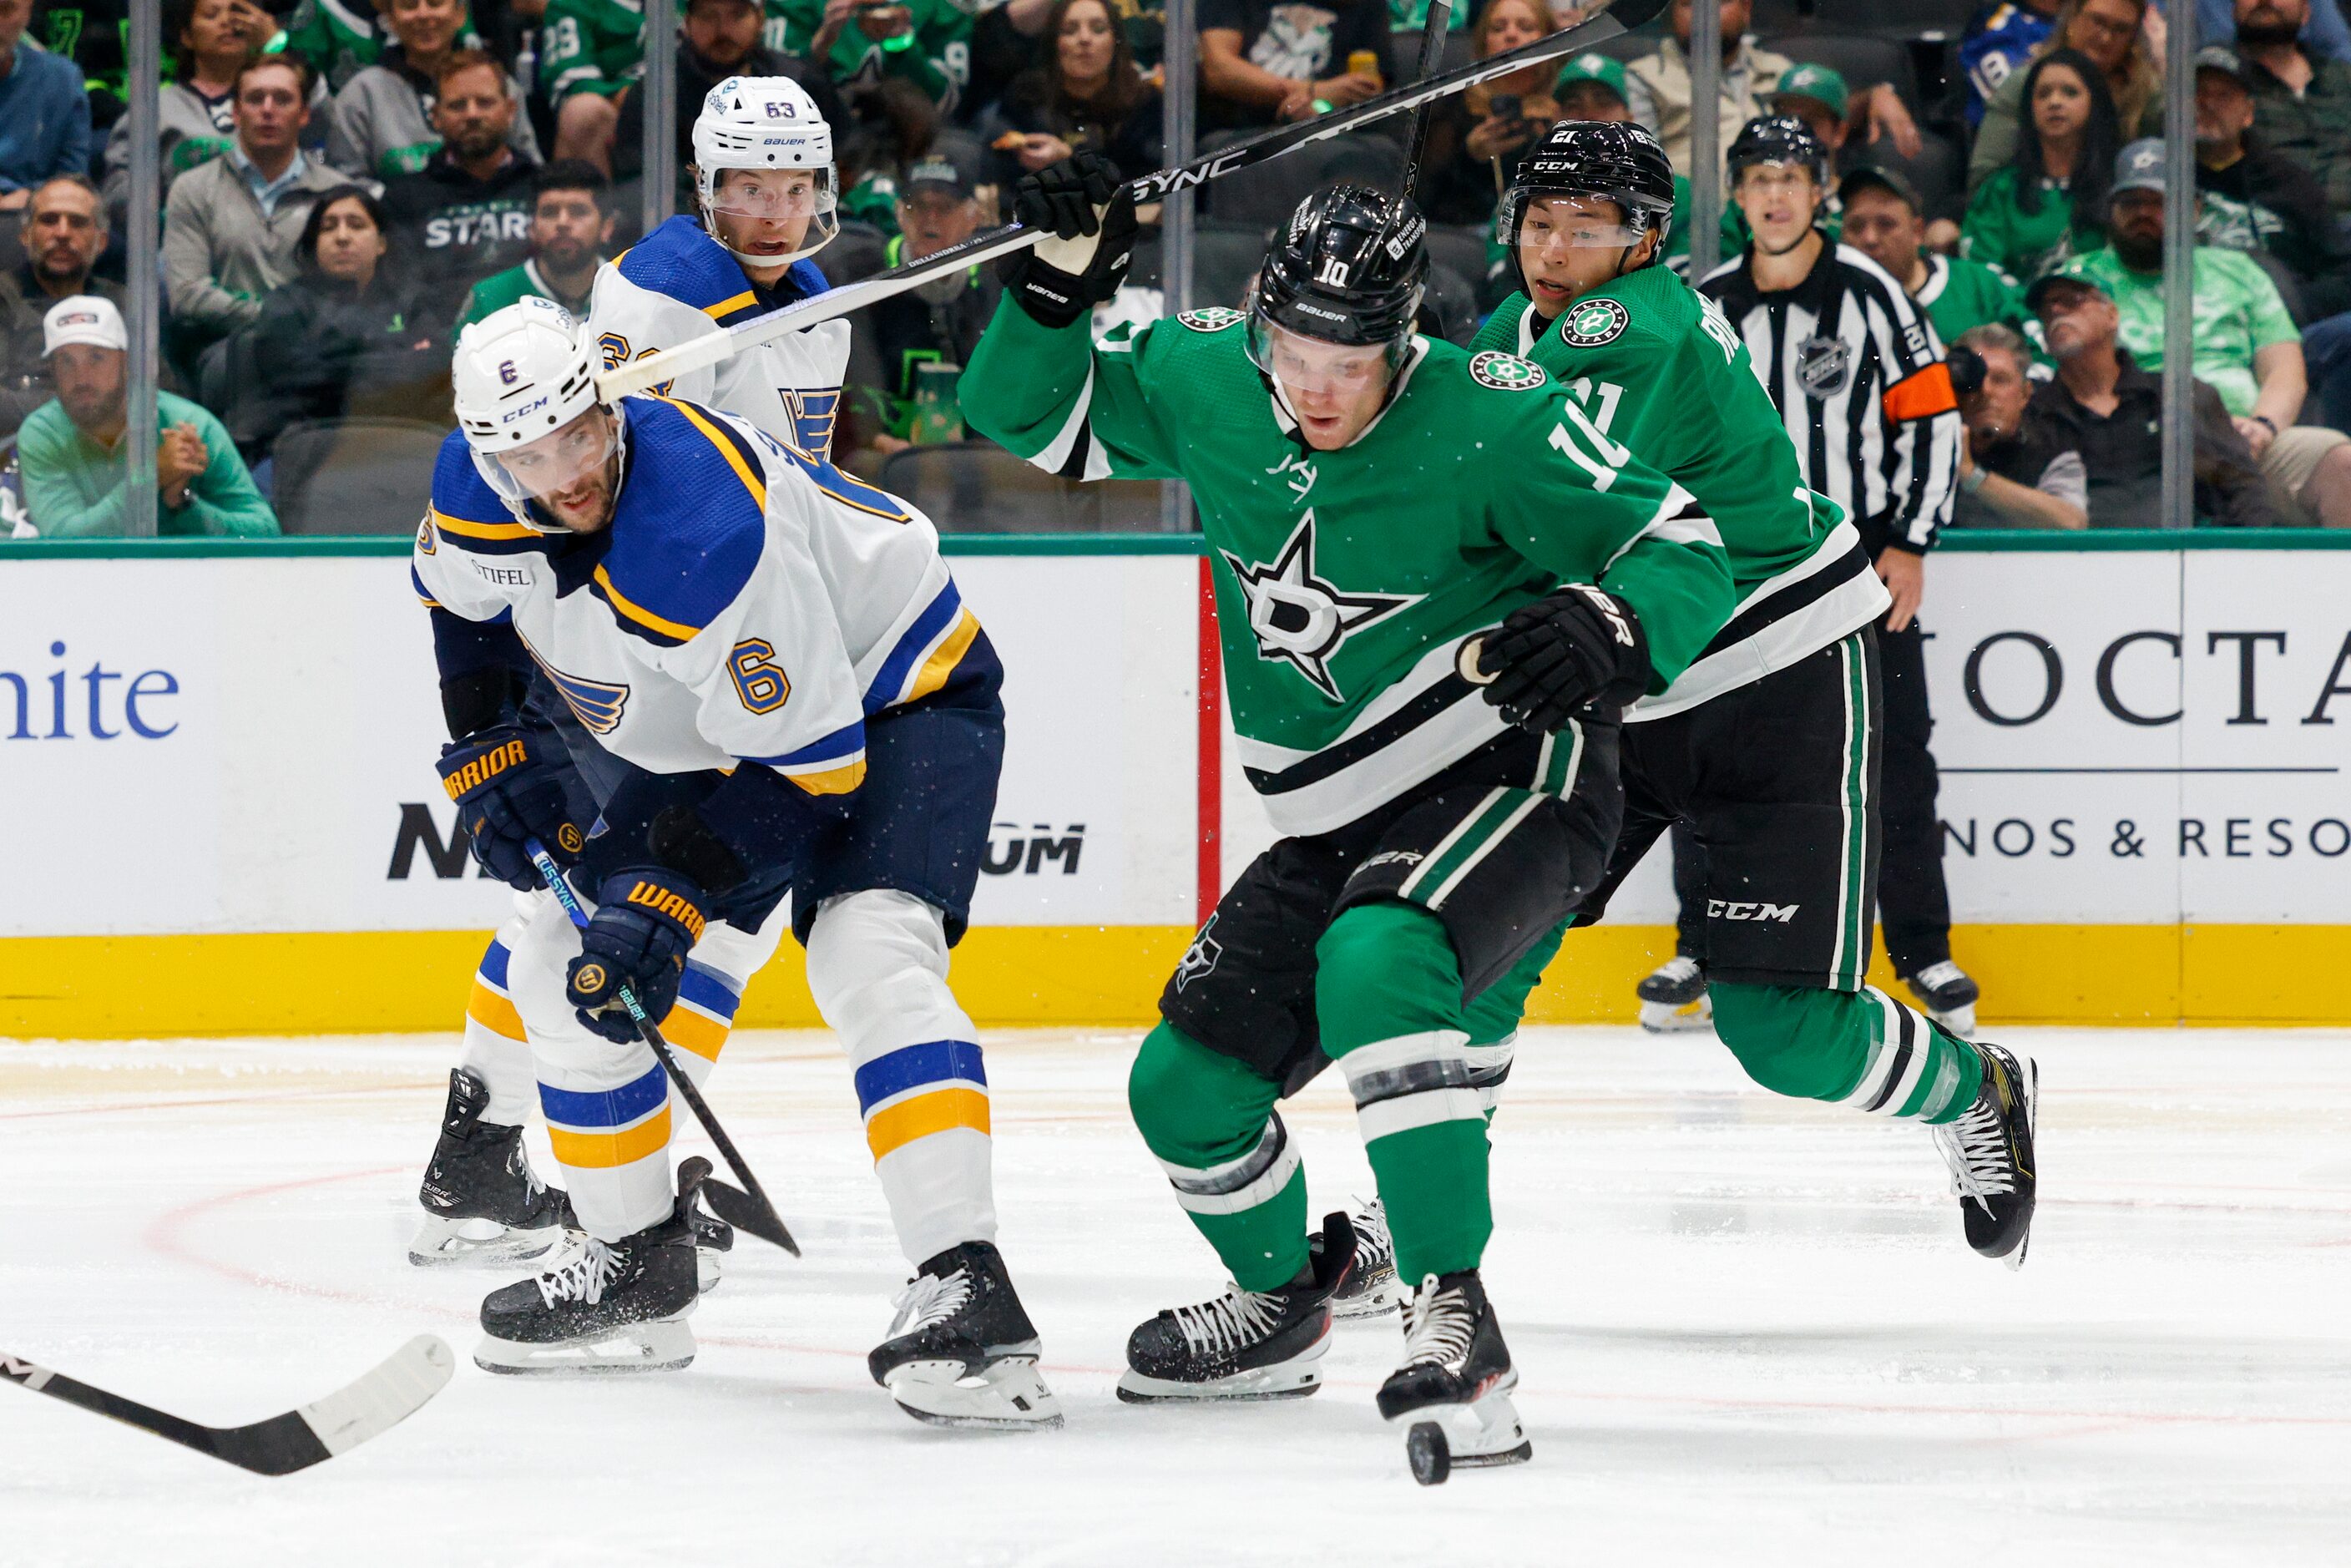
x: 744, y: 1212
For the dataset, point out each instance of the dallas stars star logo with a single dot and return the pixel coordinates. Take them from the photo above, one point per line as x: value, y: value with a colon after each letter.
x: 1300, y: 620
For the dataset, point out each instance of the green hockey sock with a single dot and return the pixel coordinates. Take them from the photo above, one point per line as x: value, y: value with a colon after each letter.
x: 1211, y: 1123
x: 1388, y: 997
x: 1861, y: 1049
x: 1494, y: 1017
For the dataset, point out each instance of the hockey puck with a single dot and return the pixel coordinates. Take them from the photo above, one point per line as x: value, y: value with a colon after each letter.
x: 1466, y: 662
x: 1431, y: 1455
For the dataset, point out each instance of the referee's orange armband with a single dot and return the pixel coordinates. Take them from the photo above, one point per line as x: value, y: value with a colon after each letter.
x: 1922, y: 395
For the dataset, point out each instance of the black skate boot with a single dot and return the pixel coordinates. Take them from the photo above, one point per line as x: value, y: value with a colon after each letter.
x: 1990, y: 1151
x: 617, y: 1306
x: 1455, y: 1383
x: 484, y: 1206
x: 1673, y: 996
x: 1949, y: 994
x: 1372, y: 1290
x: 962, y: 1351
x: 1245, y: 1344
x: 713, y: 1236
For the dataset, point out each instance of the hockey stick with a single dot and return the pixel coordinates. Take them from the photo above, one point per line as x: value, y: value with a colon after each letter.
x: 746, y: 1207
x: 713, y: 347
x: 1432, y: 48
x: 283, y: 1443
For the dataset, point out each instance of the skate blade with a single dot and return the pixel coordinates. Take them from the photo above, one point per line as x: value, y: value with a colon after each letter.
x: 478, y: 1244
x: 1486, y: 1431
x: 1960, y: 1020
x: 1291, y: 1380
x: 2031, y: 1070
x: 1008, y: 1395
x: 1665, y: 1018
x: 1377, y: 1303
x: 664, y: 1344
x: 707, y: 1271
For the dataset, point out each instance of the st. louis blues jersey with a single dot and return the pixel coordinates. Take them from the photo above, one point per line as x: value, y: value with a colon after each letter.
x: 677, y: 284
x: 746, y: 603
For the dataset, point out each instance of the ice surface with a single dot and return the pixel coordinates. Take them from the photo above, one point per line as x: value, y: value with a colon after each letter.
x: 1748, y: 1327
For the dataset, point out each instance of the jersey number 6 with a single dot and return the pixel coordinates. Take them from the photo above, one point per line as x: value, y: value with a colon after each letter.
x: 759, y: 681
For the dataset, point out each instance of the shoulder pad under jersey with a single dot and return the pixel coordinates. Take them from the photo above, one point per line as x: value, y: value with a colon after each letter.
x: 691, y: 525
x: 465, y: 512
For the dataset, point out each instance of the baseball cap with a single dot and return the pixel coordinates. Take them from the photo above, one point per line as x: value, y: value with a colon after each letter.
x: 2223, y: 59
x: 1819, y: 83
x: 2074, y: 273
x: 947, y: 166
x: 2139, y: 166
x: 83, y: 319
x: 1892, y: 181
x: 1592, y: 66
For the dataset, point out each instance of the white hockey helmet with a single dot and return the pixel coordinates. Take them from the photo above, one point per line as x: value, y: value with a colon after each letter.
x: 765, y: 122
x: 520, y: 374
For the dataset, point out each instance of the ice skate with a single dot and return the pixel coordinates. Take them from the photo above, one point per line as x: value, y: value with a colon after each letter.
x: 1949, y: 994
x: 1990, y: 1151
x: 962, y: 1351
x: 1245, y: 1344
x: 484, y: 1206
x: 618, y: 1306
x: 1372, y: 1290
x: 1673, y: 996
x: 1453, y: 1390
x: 713, y: 1236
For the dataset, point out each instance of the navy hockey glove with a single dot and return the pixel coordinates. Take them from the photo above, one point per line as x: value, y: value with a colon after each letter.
x: 1058, y: 280
x: 1548, y: 659
x: 507, y: 791
x: 647, y: 917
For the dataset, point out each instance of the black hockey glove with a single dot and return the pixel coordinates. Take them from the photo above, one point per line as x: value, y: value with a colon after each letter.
x: 507, y: 791
x: 1058, y: 280
x: 1548, y: 659
x: 647, y: 917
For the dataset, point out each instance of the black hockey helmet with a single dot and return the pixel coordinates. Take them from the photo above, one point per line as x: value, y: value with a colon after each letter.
x: 1347, y: 268
x: 1617, y: 161
x: 1778, y: 138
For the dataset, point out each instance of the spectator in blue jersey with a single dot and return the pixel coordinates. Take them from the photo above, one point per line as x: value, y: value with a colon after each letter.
x: 1999, y: 42
x: 44, y: 112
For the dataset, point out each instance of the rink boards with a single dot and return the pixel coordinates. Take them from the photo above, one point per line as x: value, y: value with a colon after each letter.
x: 222, y: 814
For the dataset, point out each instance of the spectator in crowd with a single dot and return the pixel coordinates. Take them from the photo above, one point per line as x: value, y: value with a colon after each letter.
x: 2244, y: 343
x: 93, y: 34
x: 230, y: 226
x: 43, y: 113
x: 716, y: 40
x: 2121, y: 38
x: 592, y: 54
x: 210, y: 39
x: 2325, y: 33
x: 64, y: 234
x: 1087, y: 92
x: 2302, y: 101
x: 2015, y: 471
x: 863, y: 43
x: 2111, y: 411
x: 467, y: 213
x: 2049, y: 202
x: 894, y: 403
x: 1261, y: 64
x: 1660, y: 84
x: 1884, y: 221
x: 348, y: 335
x: 2000, y: 40
x: 381, y: 126
x: 1474, y: 137
x: 341, y: 38
x: 71, y: 455
x: 571, y: 222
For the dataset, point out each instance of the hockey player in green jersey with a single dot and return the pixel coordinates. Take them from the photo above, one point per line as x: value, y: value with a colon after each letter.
x: 1379, y: 509
x: 1767, y: 744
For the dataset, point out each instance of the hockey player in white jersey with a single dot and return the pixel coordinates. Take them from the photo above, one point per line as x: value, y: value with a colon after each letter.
x: 765, y: 180
x: 778, y: 659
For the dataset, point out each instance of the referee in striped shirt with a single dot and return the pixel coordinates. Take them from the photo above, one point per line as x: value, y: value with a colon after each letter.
x: 1855, y: 370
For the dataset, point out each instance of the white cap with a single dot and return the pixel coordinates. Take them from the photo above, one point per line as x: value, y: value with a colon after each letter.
x: 83, y: 319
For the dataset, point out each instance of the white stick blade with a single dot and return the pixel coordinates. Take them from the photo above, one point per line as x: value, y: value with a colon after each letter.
x: 384, y: 1399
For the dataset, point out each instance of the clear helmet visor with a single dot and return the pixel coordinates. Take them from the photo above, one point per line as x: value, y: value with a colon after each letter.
x: 1303, y: 364
x: 1574, y: 222
x: 552, y: 468
x: 775, y: 195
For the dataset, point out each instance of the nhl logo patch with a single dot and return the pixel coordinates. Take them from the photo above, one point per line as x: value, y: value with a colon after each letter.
x: 1214, y: 318
x: 1824, y: 366
x: 1506, y: 373
x: 1595, y: 322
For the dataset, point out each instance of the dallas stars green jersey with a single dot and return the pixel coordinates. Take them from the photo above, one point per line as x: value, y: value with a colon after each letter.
x: 935, y: 57
x: 1652, y: 363
x: 592, y: 45
x: 1346, y: 580
x: 500, y: 289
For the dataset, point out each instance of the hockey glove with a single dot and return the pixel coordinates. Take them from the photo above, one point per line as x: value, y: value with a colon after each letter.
x: 1082, y: 203
x: 647, y: 918
x: 1548, y: 659
x: 507, y: 791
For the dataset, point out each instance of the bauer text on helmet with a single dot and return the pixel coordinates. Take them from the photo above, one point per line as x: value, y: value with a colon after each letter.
x: 763, y: 172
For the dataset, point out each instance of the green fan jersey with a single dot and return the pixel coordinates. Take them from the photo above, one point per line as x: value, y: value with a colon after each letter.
x: 1960, y: 294
x: 1652, y: 363
x: 1346, y: 580
x: 500, y: 289
x: 935, y: 57
x: 592, y: 45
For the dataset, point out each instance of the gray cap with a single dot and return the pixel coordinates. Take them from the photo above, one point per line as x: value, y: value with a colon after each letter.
x: 2139, y: 166
x: 2223, y: 59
